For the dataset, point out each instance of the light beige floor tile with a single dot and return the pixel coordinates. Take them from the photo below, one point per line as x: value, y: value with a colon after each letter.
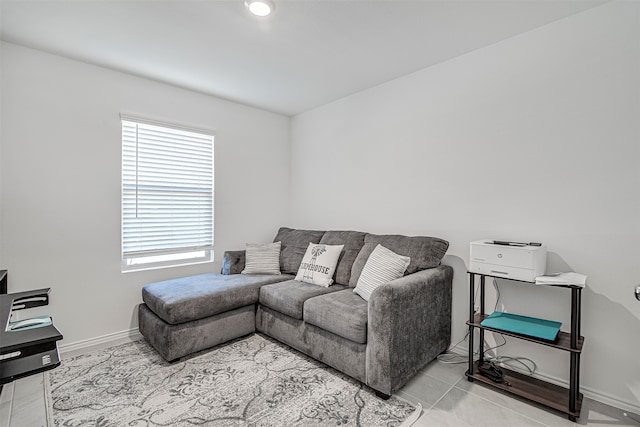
x: 459, y: 408
x: 6, y: 402
x: 450, y: 373
x: 544, y: 415
x: 425, y: 390
x: 599, y: 414
x: 28, y: 403
x: 439, y: 419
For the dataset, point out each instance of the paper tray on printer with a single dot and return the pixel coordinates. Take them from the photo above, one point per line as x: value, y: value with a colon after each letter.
x: 31, y: 360
x: 530, y: 326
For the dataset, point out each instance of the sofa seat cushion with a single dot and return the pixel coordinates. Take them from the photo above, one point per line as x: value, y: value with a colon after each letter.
x: 289, y: 297
x: 342, y: 313
x: 196, y: 297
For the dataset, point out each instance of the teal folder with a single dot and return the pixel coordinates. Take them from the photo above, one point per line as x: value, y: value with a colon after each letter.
x: 31, y: 323
x: 530, y: 326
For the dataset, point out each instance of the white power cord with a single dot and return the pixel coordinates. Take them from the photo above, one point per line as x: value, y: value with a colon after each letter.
x: 508, y: 361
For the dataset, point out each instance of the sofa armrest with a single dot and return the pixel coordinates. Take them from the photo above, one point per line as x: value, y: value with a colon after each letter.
x: 409, y: 324
x: 233, y: 262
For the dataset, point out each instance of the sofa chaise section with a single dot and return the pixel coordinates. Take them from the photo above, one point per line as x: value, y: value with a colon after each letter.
x: 182, y: 316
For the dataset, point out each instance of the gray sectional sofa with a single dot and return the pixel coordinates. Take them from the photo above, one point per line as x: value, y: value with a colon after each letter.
x: 383, y: 342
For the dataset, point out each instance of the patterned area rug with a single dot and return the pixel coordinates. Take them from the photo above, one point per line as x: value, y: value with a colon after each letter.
x: 253, y: 381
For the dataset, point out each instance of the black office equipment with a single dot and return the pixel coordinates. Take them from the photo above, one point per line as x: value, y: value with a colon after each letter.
x: 30, y: 350
x: 491, y: 371
x: 3, y: 282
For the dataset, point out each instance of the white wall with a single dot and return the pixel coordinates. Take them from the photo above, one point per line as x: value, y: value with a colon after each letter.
x: 60, y: 170
x: 1, y: 127
x: 533, y: 138
x: 536, y: 138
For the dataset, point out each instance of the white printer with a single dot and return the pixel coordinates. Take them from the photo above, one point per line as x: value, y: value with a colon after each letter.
x: 511, y: 260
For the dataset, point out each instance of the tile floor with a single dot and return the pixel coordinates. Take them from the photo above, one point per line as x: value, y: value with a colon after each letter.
x: 449, y: 400
x: 22, y: 403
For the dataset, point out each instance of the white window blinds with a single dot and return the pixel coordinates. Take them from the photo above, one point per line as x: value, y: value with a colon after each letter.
x: 167, y: 192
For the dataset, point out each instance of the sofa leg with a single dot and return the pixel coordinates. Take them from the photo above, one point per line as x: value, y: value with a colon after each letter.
x: 382, y: 396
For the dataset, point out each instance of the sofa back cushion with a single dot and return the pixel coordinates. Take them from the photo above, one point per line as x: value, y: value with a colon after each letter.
x: 425, y: 252
x: 353, y: 242
x: 293, y: 247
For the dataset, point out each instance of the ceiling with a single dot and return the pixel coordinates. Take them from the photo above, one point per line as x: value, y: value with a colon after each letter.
x: 306, y: 54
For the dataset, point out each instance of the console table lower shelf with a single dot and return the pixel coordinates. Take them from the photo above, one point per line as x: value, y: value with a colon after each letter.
x: 536, y: 390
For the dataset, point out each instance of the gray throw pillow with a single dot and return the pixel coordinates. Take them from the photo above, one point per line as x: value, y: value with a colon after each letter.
x: 425, y: 252
x: 262, y: 258
x: 382, y: 267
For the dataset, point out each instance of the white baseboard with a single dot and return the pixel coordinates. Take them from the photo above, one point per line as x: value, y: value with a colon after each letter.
x: 594, y: 394
x: 589, y: 392
x: 104, y: 341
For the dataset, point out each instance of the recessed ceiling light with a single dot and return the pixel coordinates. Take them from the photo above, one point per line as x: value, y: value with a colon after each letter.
x: 260, y: 7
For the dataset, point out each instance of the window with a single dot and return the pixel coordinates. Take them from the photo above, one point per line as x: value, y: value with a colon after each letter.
x: 167, y: 195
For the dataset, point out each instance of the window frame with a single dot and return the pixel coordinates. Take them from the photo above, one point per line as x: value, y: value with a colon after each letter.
x: 154, y: 258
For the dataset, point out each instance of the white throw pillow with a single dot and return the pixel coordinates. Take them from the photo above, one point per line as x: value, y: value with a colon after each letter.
x: 382, y: 266
x: 262, y: 258
x: 319, y: 264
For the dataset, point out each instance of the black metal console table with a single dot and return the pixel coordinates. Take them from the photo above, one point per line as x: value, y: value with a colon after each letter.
x: 567, y: 401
